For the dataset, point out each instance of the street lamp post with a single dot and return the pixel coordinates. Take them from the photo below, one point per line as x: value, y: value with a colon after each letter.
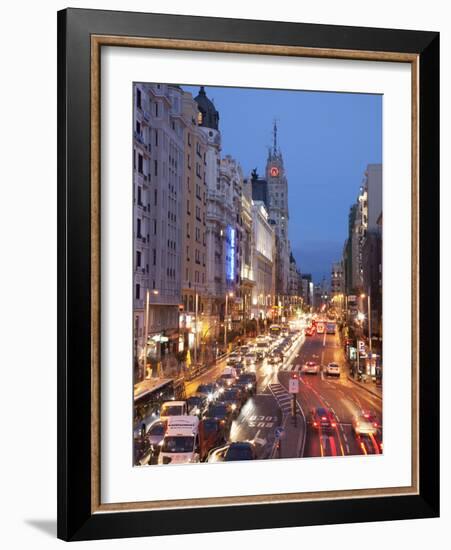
x: 196, y: 306
x: 146, y: 328
x: 146, y: 332
x: 370, y: 343
x: 225, y: 317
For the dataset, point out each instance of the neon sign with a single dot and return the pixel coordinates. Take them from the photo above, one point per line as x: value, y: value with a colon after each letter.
x: 230, y: 253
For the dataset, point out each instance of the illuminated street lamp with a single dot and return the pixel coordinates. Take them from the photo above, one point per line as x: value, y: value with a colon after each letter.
x: 369, y: 319
x: 146, y: 328
x: 228, y: 294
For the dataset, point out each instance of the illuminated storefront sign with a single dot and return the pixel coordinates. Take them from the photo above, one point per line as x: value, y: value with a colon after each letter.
x: 230, y: 253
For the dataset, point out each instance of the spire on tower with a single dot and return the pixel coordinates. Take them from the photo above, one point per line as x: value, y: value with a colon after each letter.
x: 275, y: 138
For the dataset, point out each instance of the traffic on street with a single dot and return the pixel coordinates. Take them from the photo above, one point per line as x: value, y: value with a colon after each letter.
x: 287, y: 393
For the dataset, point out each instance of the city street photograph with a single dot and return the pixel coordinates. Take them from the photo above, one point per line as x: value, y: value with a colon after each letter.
x: 257, y: 274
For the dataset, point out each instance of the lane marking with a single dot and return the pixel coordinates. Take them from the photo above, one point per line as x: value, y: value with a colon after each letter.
x: 332, y: 445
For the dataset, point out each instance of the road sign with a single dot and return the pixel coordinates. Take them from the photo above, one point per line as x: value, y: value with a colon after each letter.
x: 293, y: 385
x: 279, y: 433
x: 361, y: 346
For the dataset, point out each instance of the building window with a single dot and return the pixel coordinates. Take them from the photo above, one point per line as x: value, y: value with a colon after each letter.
x: 156, y: 137
x: 199, y: 118
x: 140, y: 163
x: 155, y: 167
x: 154, y: 253
x: 156, y: 109
x: 187, y: 207
x: 137, y: 291
x: 138, y: 97
x: 138, y: 258
x: 155, y: 197
x: 138, y: 227
x: 138, y: 127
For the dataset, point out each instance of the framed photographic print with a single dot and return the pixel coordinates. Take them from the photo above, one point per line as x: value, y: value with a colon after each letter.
x: 248, y: 274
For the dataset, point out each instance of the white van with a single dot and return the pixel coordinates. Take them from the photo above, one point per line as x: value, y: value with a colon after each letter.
x: 231, y: 371
x: 181, y: 441
x: 173, y: 408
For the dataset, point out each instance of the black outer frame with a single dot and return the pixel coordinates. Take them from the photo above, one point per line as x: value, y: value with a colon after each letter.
x: 75, y: 520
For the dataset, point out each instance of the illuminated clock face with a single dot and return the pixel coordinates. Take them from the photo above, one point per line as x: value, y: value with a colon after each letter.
x: 274, y: 171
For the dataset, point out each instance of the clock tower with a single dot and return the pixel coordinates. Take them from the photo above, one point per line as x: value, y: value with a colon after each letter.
x: 278, y: 211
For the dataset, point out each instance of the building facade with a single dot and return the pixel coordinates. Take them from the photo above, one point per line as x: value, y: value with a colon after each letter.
x: 158, y: 148
x: 193, y: 246
x: 262, y: 263
x: 277, y: 189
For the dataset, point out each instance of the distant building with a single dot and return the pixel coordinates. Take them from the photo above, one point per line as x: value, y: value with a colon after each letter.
x: 336, y: 279
x: 263, y: 262
x: 278, y: 214
x: 307, y: 289
x: 373, y: 185
x: 259, y: 189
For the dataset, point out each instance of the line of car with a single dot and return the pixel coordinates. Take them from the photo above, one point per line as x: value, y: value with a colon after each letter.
x: 188, y: 430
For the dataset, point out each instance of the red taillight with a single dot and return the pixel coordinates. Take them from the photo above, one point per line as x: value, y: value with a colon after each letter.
x: 375, y: 424
x: 334, y: 424
x: 323, y: 418
x: 315, y: 424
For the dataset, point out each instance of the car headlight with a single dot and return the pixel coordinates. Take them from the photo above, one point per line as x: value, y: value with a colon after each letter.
x: 210, y: 397
x: 233, y: 406
x: 249, y: 386
x: 196, y: 411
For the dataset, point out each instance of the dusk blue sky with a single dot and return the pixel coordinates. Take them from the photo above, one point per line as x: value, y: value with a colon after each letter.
x: 326, y: 139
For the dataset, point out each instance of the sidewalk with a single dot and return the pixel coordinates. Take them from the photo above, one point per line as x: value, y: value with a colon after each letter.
x: 291, y: 446
x: 369, y: 386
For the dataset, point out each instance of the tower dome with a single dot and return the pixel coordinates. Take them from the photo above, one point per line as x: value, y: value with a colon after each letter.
x: 209, y: 115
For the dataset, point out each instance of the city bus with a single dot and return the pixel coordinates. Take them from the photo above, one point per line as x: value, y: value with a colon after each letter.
x: 274, y: 330
x: 150, y: 394
x: 330, y: 327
